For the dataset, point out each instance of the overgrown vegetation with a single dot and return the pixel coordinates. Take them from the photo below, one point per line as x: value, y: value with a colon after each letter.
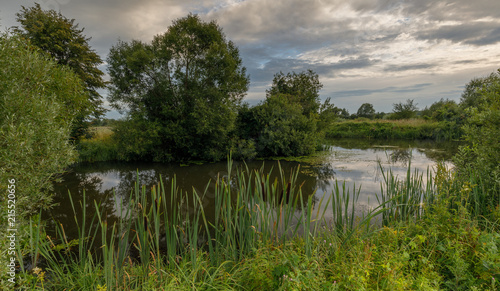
x: 38, y: 103
x: 268, y: 235
x: 427, y: 234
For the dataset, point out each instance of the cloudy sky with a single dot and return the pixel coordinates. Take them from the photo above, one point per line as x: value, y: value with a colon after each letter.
x: 375, y: 51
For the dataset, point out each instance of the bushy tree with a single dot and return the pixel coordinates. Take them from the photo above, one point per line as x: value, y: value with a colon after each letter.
x: 473, y: 94
x: 289, y: 121
x: 366, y: 110
x: 61, y: 39
x: 187, y: 84
x: 284, y: 129
x: 442, y: 110
x: 38, y: 101
x: 404, y: 110
x: 482, y: 133
x: 302, y: 88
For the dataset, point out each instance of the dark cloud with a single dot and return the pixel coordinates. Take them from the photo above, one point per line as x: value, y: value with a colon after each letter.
x: 475, y: 33
x: 392, y: 89
x: 397, y: 42
x: 398, y: 68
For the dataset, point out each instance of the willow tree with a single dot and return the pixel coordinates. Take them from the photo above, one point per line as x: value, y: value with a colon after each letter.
x: 39, y: 99
x: 182, y: 90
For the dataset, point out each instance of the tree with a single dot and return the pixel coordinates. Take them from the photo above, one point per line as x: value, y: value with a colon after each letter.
x: 366, y: 110
x: 61, y: 38
x: 473, y: 92
x: 284, y: 129
x: 302, y: 88
x: 187, y: 84
x: 404, y: 110
x: 38, y: 101
x: 291, y: 119
x: 442, y: 110
x: 482, y: 134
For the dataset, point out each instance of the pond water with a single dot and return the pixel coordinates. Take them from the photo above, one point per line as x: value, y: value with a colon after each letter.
x: 354, y: 161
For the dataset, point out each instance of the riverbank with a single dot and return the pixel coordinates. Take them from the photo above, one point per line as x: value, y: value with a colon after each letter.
x: 439, y: 235
x: 409, y: 129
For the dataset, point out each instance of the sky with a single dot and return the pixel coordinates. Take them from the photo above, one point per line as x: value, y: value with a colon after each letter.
x: 365, y: 51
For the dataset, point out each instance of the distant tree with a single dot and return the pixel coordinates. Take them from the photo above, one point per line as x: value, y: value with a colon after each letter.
x: 328, y: 113
x: 302, y: 88
x: 473, y: 92
x: 344, y: 113
x: 404, y: 110
x: 61, y: 39
x: 183, y: 89
x: 39, y: 100
x: 366, y: 110
x: 442, y: 110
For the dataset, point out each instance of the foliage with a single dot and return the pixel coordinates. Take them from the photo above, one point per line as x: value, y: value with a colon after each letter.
x: 302, y: 88
x: 443, y: 110
x: 185, y: 87
x: 39, y: 100
x: 482, y: 133
x: 404, y: 110
x: 366, y: 110
x: 473, y: 92
x: 417, y: 129
x: 253, y: 243
x: 101, y: 146
x: 62, y: 40
x: 284, y: 130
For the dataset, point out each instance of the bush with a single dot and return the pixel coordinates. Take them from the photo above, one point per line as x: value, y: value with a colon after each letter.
x: 283, y: 129
x: 38, y: 102
x: 482, y: 133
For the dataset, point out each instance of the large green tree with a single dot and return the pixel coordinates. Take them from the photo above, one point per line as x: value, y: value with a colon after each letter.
x: 61, y: 39
x: 186, y: 84
x: 473, y: 95
x: 289, y: 121
x: 301, y: 88
x: 38, y: 101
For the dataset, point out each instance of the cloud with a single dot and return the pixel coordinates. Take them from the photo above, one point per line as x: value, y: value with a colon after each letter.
x: 363, y: 50
x: 392, y: 89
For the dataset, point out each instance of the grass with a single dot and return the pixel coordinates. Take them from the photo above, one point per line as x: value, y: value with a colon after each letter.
x: 99, y: 147
x: 268, y: 235
x: 411, y: 129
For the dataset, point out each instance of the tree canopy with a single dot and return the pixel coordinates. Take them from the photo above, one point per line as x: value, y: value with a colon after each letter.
x: 61, y: 38
x: 184, y: 87
x: 302, y: 88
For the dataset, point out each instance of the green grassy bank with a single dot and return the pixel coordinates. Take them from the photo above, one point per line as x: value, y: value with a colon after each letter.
x: 410, y: 129
x: 441, y: 235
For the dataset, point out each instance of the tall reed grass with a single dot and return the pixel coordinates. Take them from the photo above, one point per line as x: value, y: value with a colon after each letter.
x: 164, y: 229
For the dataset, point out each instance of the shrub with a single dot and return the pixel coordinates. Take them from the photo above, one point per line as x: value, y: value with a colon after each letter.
x: 38, y: 102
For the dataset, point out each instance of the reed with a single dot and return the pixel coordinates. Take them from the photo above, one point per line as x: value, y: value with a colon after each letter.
x: 163, y: 230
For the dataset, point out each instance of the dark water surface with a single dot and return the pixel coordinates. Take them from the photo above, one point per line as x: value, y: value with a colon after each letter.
x: 354, y: 161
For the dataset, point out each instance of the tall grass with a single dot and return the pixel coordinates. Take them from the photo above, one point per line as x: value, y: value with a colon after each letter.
x: 165, y: 231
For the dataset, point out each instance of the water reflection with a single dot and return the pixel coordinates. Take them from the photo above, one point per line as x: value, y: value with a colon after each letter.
x: 353, y: 161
